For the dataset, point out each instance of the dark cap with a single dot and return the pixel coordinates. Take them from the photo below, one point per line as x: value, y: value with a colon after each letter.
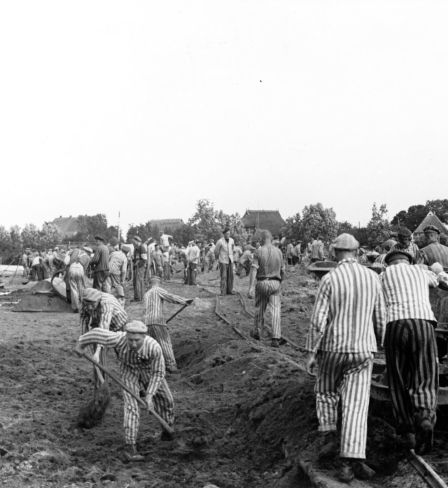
x: 137, y: 238
x: 404, y: 232
x: 431, y: 228
x: 398, y: 252
x: 114, y: 241
x: 99, y: 238
x: 226, y: 230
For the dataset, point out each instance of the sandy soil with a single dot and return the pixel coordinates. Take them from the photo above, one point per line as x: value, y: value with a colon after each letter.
x: 244, y: 411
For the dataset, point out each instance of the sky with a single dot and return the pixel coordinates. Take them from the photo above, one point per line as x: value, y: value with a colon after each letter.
x: 144, y: 107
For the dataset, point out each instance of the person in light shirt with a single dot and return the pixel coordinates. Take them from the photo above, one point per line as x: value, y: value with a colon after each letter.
x: 224, y: 254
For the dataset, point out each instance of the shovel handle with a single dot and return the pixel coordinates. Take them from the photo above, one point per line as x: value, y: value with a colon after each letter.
x: 118, y: 380
x: 177, y: 313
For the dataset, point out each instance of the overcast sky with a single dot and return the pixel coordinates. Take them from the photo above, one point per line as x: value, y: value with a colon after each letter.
x: 146, y: 107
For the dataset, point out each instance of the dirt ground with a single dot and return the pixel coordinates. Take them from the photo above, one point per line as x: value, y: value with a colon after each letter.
x: 244, y: 412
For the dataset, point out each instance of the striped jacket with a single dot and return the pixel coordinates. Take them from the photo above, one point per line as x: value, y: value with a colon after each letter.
x: 153, y: 301
x: 435, y: 253
x: 109, y: 314
x: 406, y: 290
x: 149, y: 357
x: 349, y: 315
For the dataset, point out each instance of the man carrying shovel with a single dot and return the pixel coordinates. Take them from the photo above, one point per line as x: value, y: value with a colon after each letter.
x: 155, y: 319
x: 142, y: 367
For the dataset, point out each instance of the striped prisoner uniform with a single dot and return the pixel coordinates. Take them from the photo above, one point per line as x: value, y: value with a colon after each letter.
x: 347, y: 322
x: 268, y: 261
x: 109, y: 314
x: 411, y: 350
x: 143, y: 369
x: 435, y: 253
x: 155, y: 320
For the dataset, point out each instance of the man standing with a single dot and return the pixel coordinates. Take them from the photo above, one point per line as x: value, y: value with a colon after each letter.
x: 118, y: 263
x: 76, y: 278
x: 140, y: 262
x: 317, y: 250
x: 100, y: 266
x: 347, y: 322
x: 405, y: 244
x: 224, y: 255
x: 165, y: 241
x: 268, y: 261
x: 157, y: 260
x: 153, y: 317
x: 193, y: 253
x: 142, y: 368
x: 411, y: 350
x: 434, y: 252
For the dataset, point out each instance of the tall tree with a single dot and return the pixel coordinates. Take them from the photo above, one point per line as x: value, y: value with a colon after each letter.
x: 319, y: 221
x: 293, y: 229
x: 378, y: 228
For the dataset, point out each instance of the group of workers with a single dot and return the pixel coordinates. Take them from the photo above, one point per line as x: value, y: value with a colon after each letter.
x: 358, y: 311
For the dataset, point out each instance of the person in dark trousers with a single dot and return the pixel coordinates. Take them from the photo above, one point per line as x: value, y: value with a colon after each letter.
x: 140, y: 263
x: 100, y: 266
x: 224, y: 254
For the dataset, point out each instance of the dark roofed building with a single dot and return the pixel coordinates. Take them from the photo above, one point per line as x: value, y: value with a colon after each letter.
x: 167, y: 224
x: 263, y: 219
x: 430, y: 219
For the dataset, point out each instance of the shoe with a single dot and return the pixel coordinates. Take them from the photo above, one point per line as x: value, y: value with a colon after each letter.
x: 275, y: 343
x: 345, y: 473
x: 330, y: 446
x: 425, y: 439
x: 255, y: 335
x: 362, y: 471
x: 131, y: 454
x: 408, y: 439
x: 166, y: 436
x: 172, y: 370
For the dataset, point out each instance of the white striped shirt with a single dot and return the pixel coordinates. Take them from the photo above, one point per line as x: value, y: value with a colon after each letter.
x: 153, y: 301
x: 406, y: 290
x: 349, y: 311
x: 109, y: 314
x: 149, y: 357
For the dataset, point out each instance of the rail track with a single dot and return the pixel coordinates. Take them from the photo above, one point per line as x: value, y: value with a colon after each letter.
x: 426, y: 471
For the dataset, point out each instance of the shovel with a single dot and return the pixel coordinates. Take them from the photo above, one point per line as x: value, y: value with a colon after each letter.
x: 142, y: 403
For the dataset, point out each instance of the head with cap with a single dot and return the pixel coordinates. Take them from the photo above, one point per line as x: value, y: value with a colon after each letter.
x: 99, y: 240
x: 114, y: 242
x: 91, y: 297
x: 432, y: 234
x: 135, y: 334
x: 397, y: 256
x: 226, y: 233
x: 345, y: 246
x: 404, y: 236
x: 87, y: 249
x: 154, y: 281
x: 136, y: 240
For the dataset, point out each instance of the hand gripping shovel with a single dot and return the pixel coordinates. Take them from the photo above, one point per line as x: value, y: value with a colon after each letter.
x: 142, y: 403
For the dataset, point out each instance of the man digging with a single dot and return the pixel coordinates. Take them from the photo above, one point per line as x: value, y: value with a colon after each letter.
x: 142, y: 369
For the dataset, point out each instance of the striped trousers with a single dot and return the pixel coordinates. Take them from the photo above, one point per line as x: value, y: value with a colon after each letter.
x: 412, y: 370
x: 267, y: 292
x: 344, y: 377
x: 76, y: 282
x: 138, y: 379
x: 162, y: 336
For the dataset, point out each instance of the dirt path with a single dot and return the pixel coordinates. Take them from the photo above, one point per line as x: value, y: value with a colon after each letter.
x: 243, y: 413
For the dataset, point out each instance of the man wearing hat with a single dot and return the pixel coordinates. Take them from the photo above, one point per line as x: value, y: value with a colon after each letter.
x: 348, y: 321
x: 224, y: 255
x: 434, y: 252
x: 270, y: 269
x: 142, y: 368
x: 411, y: 350
x: 100, y: 266
x: 76, y: 276
x: 102, y: 310
x: 140, y: 262
x: 405, y: 244
x: 154, y: 318
x: 118, y: 263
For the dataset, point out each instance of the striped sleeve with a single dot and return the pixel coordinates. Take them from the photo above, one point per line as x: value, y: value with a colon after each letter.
x: 170, y: 298
x: 380, y: 314
x: 106, y: 315
x: 157, y: 368
x: 100, y: 336
x: 319, y: 318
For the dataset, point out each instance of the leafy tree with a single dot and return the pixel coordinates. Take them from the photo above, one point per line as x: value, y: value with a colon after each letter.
x: 49, y: 236
x: 319, y: 221
x: 30, y: 236
x: 293, y: 229
x: 410, y: 218
x: 204, y: 221
x: 378, y: 228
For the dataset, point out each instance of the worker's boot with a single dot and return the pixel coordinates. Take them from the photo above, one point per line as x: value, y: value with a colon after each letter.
x: 362, y: 471
x: 424, y: 441
x: 166, y: 436
x: 255, y: 335
x: 329, y: 446
x: 275, y: 343
x: 131, y: 454
x: 345, y: 473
